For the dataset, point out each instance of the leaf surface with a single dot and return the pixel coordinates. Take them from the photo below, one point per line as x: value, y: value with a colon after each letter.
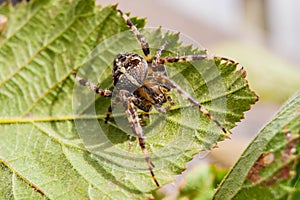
x: 269, y: 167
x: 53, y: 136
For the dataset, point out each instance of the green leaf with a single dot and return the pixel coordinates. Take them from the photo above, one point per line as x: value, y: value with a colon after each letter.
x: 269, y: 167
x: 54, y: 143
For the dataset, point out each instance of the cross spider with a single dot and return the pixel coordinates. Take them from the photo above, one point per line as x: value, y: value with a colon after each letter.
x: 143, y: 83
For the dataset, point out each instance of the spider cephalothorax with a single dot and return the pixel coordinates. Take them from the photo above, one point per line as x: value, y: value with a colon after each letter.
x: 143, y: 83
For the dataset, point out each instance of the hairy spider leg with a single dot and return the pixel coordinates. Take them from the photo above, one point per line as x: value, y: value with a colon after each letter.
x: 189, y: 58
x: 158, y: 53
x: 140, y: 37
x: 155, y: 67
x: 110, y: 109
x: 225, y: 59
x: 132, y: 116
x: 91, y: 86
x: 166, y: 80
x: 108, y: 114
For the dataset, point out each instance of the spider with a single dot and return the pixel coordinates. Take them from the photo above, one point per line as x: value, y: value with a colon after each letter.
x: 143, y: 83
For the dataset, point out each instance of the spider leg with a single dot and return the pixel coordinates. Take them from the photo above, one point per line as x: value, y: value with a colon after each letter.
x: 91, y: 86
x: 155, y: 66
x: 108, y: 114
x: 172, y: 59
x: 189, y: 58
x: 225, y: 59
x: 110, y: 109
x: 158, y: 53
x: 157, y: 63
x: 128, y: 102
x: 140, y: 37
x: 166, y: 80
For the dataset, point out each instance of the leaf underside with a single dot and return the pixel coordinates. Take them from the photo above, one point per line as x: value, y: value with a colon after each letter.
x: 54, y: 143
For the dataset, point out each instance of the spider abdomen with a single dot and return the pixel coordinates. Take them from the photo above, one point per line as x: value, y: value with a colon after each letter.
x: 129, y: 71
